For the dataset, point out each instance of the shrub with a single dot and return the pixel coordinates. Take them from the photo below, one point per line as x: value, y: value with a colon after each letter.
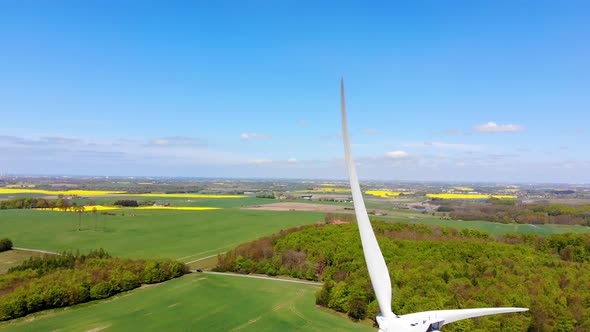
x: 101, y: 290
x: 5, y: 244
x: 12, y: 306
x: 122, y: 281
x: 177, y: 269
x: 126, y: 202
x: 153, y: 273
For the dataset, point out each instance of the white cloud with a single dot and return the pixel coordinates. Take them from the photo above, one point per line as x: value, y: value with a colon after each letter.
x: 444, y: 146
x: 160, y: 142
x: 255, y: 135
x: 173, y: 141
x: 260, y: 161
x: 397, y: 154
x: 292, y: 160
x: 492, y: 127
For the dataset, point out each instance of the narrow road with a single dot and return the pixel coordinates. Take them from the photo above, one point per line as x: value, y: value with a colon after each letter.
x: 313, y: 283
x: 36, y: 250
x: 201, y: 259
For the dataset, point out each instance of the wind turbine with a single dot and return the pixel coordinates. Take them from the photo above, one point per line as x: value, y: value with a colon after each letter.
x: 427, y: 321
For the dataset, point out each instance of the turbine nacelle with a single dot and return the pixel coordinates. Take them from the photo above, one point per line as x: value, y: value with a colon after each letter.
x: 432, y: 321
x: 400, y: 323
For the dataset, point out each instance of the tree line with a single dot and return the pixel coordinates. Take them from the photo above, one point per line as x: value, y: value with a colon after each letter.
x: 507, y: 211
x: 35, y: 202
x: 54, y: 281
x: 436, y: 268
x: 59, y: 203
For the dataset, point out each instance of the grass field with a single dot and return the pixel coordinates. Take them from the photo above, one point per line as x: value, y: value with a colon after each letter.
x: 190, y: 235
x: 184, y: 235
x: 12, y: 258
x: 197, y: 302
x: 493, y: 228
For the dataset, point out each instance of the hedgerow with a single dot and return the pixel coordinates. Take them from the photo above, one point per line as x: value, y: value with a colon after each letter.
x: 55, y: 281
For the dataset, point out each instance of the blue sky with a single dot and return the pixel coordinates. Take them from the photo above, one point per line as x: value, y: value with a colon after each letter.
x: 437, y: 90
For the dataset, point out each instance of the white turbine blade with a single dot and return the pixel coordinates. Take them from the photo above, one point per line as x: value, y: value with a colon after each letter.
x: 449, y: 316
x: 375, y: 261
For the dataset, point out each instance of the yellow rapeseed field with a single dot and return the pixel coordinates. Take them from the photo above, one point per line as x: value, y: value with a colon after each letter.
x: 8, y: 191
x: 325, y: 190
x: 86, y: 208
x: 99, y: 208
x: 469, y: 196
x: 382, y: 193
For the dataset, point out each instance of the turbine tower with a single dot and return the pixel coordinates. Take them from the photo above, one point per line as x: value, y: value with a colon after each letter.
x: 427, y: 321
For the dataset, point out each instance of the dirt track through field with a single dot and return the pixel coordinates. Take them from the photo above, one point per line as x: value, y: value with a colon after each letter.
x: 313, y: 283
x: 36, y: 250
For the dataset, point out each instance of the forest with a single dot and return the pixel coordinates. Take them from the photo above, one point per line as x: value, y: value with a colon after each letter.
x: 509, y: 211
x: 54, y: 281
x: 436, y: 268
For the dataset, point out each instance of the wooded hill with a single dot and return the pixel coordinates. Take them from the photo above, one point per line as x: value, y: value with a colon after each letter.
x: 436, y: 268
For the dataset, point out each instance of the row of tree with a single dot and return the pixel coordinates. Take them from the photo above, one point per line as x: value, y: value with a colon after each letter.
x: 41, y: 283
x: 508, y: 211
x: 34, y: 203
x: 126, y: 202
x: 436, y: 268
x: 60, y: 203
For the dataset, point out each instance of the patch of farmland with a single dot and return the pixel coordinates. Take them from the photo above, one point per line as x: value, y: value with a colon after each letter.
x: 13, y: 257
x: 294, y: 206
x: 494, y: 228
x: 147, y: 233
x: 197, y: 302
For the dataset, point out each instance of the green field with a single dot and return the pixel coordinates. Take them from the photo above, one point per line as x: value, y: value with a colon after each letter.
x: 197, y: 302
x: 184, y: 235
x: 191, y: 235
x: 12, y: 258
x: 493, y: 228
